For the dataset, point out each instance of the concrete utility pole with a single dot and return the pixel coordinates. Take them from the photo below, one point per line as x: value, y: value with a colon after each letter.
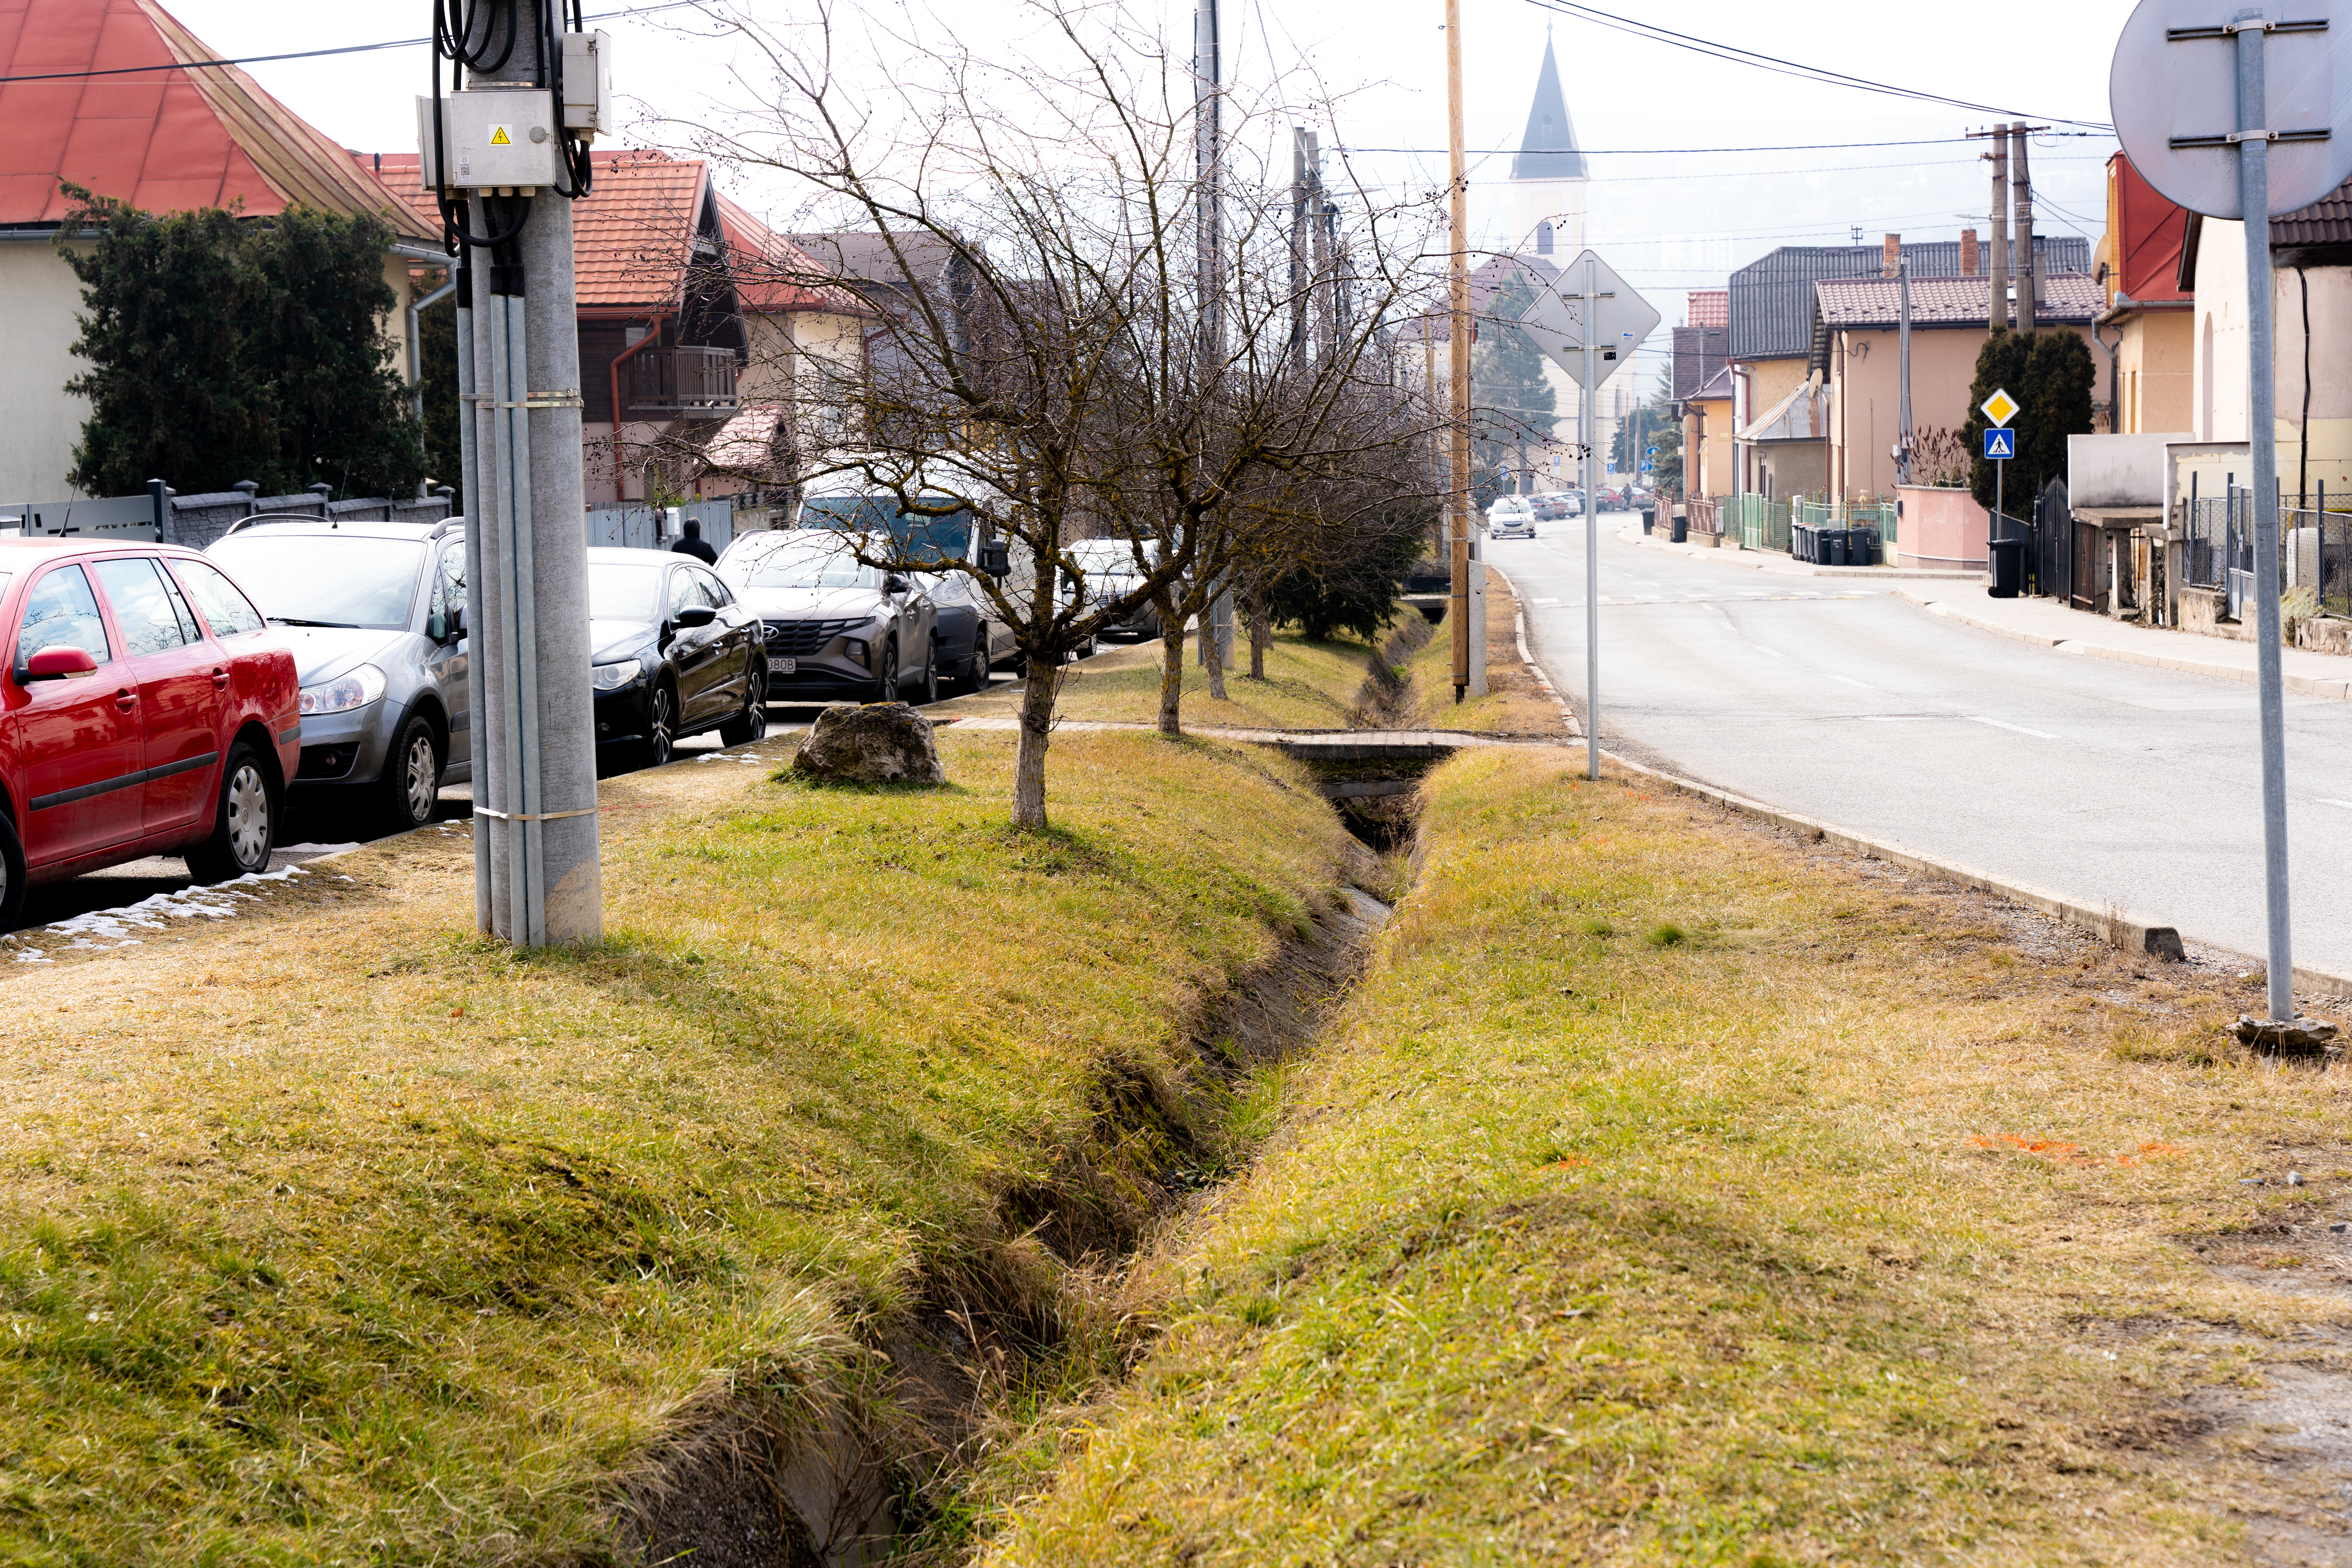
x: 1215, y: 648
x: 1588, y: 434
x: 538, y: 879
x: 1903, y: 380
x: 1327, y: 290
x: 2021, y: 187
x: 1998, y: 296
x: 1458, y: 336
x: 1300, y: 283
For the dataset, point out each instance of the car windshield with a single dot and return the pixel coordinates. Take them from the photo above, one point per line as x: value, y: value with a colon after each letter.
x: 326, y: 579
x: 819, y: 561
x: 915, y: 535
x: 624, y: 590
x: 1107, y: 556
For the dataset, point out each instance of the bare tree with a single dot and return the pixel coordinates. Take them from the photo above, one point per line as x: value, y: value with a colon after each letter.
x: 1038, y: 359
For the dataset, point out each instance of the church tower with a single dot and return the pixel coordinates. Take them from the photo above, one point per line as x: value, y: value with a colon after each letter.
x: 1547, y: 176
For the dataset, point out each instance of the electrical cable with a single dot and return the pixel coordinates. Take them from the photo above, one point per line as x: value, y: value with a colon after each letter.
x: 1733, y: 54
x: 1670, y: 151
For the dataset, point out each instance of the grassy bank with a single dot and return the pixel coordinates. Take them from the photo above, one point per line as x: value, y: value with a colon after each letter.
x: 1514, y: 704
x: 1674, y: 1192
x: 1308, y: 685
x: 329, y: 1233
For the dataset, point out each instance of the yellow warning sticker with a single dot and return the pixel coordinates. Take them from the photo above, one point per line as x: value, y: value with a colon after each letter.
x: 499, y: 137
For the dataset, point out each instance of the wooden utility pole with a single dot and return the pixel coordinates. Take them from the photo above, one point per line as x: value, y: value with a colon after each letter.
x: 1997, y: 298
x: 1458, y: 343
x: 2021, y: 190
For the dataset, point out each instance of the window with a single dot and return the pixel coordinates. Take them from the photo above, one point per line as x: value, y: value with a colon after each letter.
x: 621, y: 591
x: 61, y: 611
x: 683, y: 593
x: 449, y: 581
x: 714, y: 592
x: 228, y: 612
x: 143, y: 610
x: 325, y: 578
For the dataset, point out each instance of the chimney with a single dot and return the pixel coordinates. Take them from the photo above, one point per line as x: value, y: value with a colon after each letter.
x: 1890, y: 261
x: 1972, y: 259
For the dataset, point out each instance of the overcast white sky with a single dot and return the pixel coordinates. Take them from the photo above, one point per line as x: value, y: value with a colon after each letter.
x: 1666, y: 223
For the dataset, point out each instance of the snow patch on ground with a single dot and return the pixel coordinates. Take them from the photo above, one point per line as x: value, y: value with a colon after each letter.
x: 102, y: 929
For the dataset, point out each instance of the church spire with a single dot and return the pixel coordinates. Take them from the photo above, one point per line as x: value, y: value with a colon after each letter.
x: 1547, y: 151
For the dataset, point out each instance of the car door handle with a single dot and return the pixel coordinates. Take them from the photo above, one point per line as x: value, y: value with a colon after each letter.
x: 220, y: 680
x: 126, y: 699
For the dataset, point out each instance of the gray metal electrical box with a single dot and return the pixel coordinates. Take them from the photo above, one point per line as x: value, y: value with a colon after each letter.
x: 496, y: 138
x: 588, y: 84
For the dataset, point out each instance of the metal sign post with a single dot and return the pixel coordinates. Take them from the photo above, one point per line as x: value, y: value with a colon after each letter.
x: 2219, y: 122
x: 1587, y: 333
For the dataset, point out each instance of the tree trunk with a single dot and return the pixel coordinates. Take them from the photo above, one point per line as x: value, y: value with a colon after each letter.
x: 1213, y: 646
x: 1172, y: 670
x: 1041, y: 684
x: 1261, y: 628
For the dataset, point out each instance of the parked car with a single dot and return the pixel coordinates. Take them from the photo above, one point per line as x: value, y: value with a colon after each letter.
x: 375, y: 615
x: 1110, y: 574
x: 1550, y: 507
x: 146, y: 708
x: 672, y: 652
x: 1511, y: 517
x: 832, y: 625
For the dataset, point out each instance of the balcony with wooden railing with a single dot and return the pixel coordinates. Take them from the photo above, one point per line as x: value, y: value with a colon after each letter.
x: 680, y: 383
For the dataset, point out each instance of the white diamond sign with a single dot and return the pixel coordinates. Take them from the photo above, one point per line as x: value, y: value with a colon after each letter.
x: 1621, y: 320
x: 2000, y: 407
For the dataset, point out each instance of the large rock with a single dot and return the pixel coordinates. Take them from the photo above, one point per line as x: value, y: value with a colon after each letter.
x: 881, y: 743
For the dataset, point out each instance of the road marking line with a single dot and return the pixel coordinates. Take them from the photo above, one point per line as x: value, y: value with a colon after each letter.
x: 2346, y: 804
x: 1547, y: 601
x: 1850, y: 681
x: 1998, y: 724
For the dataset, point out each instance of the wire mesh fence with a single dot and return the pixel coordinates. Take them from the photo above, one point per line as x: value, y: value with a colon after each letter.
x: 2315, y: 552
x: 1761, y: 524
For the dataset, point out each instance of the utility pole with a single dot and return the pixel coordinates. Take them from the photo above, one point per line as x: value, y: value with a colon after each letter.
x: 2021, y: 187
x: 1588, y: 432
x: 1327, y: 293
x: 1458, y: 343
x: 1903, y: 378
x: 505, y: 148
x: 1299, y: 283
x: 1997, y: 270
x: 1216, y: 642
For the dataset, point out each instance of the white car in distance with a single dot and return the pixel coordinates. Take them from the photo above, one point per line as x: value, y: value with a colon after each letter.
x: 1511, y: 517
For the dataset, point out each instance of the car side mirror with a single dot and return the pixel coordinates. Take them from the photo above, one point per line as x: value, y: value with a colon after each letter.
x: 59, y: 663
x: 446, y: 626
x: 996, y: 560
x: 696, y: 615
x: 894, y: 584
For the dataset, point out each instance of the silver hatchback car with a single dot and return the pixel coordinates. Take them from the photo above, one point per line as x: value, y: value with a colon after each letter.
x: 375, y: 612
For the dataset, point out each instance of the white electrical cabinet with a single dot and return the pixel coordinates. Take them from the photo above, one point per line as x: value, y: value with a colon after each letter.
x: 494, y: 138
x: 588, y: 84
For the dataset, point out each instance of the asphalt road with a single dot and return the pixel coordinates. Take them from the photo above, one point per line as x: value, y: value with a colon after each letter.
x: 2109, y: 783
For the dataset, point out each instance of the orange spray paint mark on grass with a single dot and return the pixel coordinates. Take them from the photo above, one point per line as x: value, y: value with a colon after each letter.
x: 2069, y: 1154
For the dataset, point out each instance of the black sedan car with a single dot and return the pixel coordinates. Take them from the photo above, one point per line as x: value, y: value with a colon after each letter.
x: 673, y: 653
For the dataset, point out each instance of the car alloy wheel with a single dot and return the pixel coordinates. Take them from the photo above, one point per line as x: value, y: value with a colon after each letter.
x: 752, y: 723
x: 886, y: 685
x: 413, y: 782
x: 661, y: 726
x: 977, y: 672
x: 930, y: 689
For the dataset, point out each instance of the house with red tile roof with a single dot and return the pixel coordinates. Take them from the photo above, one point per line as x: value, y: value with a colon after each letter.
x: 694, y: 321
x: 107, y: 96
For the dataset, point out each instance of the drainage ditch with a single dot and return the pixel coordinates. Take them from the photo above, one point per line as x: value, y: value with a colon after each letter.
x: 859, y: 1452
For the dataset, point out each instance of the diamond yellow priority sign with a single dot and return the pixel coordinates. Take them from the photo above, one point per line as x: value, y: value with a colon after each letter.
x: 2000, y: 407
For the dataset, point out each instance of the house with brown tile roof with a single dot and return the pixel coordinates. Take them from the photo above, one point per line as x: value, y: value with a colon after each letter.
x: 155, y: 130
x: 1856, y: 357
x: 693, y: 315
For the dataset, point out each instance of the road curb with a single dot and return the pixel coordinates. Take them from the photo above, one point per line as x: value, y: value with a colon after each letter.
x: 2301, y: 685
x: 2117, y: 927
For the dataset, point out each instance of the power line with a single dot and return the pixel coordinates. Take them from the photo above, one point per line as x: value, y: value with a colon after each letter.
x: 1733, y: 54
x: 316, y: 54
x: 1670, y: 151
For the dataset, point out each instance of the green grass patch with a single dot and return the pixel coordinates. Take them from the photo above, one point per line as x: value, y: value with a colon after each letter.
x: 1306, y: 686
x: 1827, y: 1239
x: 340, y: 1236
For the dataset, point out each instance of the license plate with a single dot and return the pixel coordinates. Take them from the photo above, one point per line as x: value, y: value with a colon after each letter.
x: 783, y: 666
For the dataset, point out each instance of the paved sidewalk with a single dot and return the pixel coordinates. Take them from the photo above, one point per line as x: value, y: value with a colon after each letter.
x: 2045, y: 624
x: 1781, y: 565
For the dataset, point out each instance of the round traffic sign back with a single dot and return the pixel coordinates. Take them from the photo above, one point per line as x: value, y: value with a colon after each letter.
x: 2173, y: 93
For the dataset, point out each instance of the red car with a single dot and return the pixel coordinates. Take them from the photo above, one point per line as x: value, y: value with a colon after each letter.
x: 146, y: 708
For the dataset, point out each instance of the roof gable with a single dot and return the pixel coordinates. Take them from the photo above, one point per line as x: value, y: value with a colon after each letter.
x: 771, y: 273
x: 163, y: 139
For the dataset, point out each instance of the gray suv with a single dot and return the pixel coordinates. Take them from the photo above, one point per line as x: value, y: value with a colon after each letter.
x: 375, y: 612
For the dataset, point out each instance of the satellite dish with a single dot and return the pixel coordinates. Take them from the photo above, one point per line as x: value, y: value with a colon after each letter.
x: 2173, y: 94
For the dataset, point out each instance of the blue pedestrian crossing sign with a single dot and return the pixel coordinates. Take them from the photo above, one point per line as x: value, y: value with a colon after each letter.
x: 2000, y: 444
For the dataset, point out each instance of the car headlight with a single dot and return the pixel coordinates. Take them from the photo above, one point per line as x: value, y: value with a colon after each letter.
x: 355, y: 689
x: 613, y: 677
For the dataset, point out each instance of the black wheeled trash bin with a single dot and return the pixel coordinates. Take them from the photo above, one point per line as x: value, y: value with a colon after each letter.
x: 2008, y: 568
x: 1649, y: 517
x: 1681, y: 534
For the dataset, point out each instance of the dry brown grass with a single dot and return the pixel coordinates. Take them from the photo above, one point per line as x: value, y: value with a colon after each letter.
x: 1871, y: 1222
x: 1306, y: 686
x: 330, y: 1233
x: 1515, y: 704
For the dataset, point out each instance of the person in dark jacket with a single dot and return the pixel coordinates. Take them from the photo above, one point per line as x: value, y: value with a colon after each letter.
x: 691, y: 545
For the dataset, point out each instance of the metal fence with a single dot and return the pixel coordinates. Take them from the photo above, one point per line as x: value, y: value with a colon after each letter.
x: 2315, y: 552
x: 643, y: 527
x: 1761, y: 524
x: 1703, y: 516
